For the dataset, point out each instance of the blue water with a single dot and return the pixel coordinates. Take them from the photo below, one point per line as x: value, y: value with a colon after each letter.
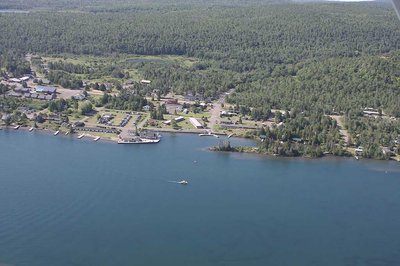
x: 65, y: 201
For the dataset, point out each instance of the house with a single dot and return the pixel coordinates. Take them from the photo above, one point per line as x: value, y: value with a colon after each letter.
x: 50, y: 97
x: 172, y: 101
x: 387, y: 151
x: 359, y: 150
x: 79, y: 97
x: 227, y: 114
x: 195, y: 122
x: 14, y: 94
x: 21, y: 89
x: 41, y: 97
x: 15, y: 80
x: 6, y: 117
x: 298, y: 140
x: 177, y: 119
x: 146, y: 108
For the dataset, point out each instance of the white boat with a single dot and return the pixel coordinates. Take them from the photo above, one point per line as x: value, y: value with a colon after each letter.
x: 183, y: 182
x: 206, y: 135
x: 356, y: 157
x: 66, y: 133
x: 138, y: 141
x: 230, y: 136
x: 216, y: 136
x: 56, y: 133
x: 81, y: 136
x: 96, y: 138
x: 16, y: 127
x: 31, y: 129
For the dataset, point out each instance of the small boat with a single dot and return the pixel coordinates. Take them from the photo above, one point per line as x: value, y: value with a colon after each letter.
x: 96, y: 138
x: 216, y: 136
x: 356, y: 157
x: 66, y: 133
x: 229, y: 136
x: 206, y: 135
x: 183, y: 182
x: 56, y: 133
x: 31, y: 129
x: 81, y: 136
x: 16, y: 127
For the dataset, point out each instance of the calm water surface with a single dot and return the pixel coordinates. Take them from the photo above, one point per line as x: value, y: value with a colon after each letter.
x: 65, y: 201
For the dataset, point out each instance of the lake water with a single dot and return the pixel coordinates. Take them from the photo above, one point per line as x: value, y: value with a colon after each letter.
x: 65, y: 201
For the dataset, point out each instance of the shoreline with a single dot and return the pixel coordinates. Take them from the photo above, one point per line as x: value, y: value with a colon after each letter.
x: 246, y: 149
x: 254, y: 152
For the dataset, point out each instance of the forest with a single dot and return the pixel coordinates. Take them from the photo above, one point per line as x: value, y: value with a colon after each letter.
x: 311, y: 58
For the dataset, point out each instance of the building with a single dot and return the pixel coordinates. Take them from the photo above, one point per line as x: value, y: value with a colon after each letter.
x: 177, y: 119
x: 44, y: 89
x: 15, y: 80
x: 145, y: 82
x: 195, y: 122
x: 387, y: 151
x: 172, y: 101
x: 359, y: 150
x: 227, y: 114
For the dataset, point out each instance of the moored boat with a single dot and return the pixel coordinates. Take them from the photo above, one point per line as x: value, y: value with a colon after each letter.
x: 138, y: 141
x: 96, y: 138
x: 17, y: 127
x: 31, y: 129
x: 56, y: 133
x: 81, y: 136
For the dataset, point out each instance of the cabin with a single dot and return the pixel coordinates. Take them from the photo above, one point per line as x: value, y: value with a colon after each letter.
x: 195, y: 123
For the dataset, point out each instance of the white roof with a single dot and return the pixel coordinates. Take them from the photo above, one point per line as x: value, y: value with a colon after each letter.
x: 195, y: 122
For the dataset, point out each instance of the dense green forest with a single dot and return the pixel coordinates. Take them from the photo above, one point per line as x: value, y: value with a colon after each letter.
x: 313, y: 58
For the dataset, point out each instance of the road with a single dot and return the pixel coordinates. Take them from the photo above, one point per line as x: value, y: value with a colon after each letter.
x: 343, y: 132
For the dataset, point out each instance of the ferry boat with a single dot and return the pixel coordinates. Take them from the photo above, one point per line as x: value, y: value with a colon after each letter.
x: 138, y: 140
x: 17, y: 127
x: 96, y: 138
x: 56, y: 133
x: 143, y: 138
x: 31, y: 129
x: 81, y: 136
